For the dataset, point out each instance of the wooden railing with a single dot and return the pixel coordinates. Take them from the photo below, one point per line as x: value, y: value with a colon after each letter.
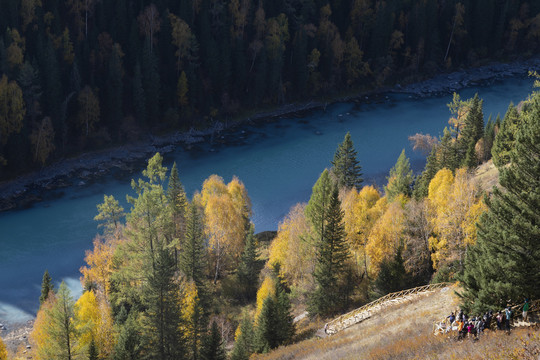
x: 366, y: 311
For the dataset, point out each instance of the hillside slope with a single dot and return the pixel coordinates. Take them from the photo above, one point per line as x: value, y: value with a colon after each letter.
x: 405, y: 331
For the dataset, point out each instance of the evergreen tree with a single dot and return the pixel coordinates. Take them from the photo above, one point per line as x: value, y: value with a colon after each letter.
x: 332, y: 255
x: 471, y: 133
x: 46, y: 287
x: 400, y: 179
x: 192, y: 257
x: 345, y: 166
x: 506, y: 136
x: 285, y: 320
x: 447, y: 152
x: 178, y: 202
x: 93, y: 350
x: 61, y: 330
x: 267, y: 326
x: 421, y: 187
x: 244, y: 344
x: 247, y: 274
x: 164, y: 340
x: 318, y: 204
x: 392, y: 275
x: 213, y: 347
x: 503, y: 265
x: 129, y: 343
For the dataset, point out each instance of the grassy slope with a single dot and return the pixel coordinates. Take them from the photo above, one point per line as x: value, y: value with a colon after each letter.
x: 404, y: 331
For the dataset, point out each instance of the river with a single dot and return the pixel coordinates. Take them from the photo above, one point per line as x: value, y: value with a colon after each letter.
x: 278, y: 160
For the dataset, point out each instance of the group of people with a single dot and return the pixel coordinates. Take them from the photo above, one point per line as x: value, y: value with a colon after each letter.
x: 474, y: 326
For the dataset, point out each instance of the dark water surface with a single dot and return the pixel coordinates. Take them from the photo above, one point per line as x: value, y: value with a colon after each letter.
x: 278, y: 161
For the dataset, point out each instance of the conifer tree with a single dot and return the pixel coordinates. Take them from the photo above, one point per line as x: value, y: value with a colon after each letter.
x: 318, y: 204
x: 192, y: 256
x: 447, y: 152
x: 471, y: 133
x: 503, y: 265
x: 345, y: 166
x: 213, y: 347
x: 333, y: 253
x: 92, y: 350
x: 60, y: 331
x: 244, y: 344
x: 421, y: 187
x: 267, y: 326
x: 129, y: 343
x: 178, y: 203
x: 247, y: 273
x: 506, y: 136
x: 164, y: 340
x: 400, y: 178
x: 46, y: 287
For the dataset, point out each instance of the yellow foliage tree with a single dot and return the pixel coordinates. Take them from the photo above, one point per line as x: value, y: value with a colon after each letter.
x: 94, y: 321
x: 192, y: 316
x: 38, y: 337
x: 454, y: 208
x: 268, y: 288
x: 360, y: 214
x: 293, y: 248
x: 227, y: 209
x: 3, y: 350
x: 99, y: 262
x: 386, y: 235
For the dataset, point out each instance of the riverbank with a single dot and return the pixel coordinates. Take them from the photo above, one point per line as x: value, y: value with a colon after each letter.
x: 78, y: 171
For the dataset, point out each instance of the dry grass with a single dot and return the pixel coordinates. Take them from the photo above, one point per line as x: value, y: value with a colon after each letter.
x: 487, y: 176
x: 405, y: 332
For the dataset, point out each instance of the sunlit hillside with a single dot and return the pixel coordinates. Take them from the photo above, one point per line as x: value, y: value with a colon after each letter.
x: 405, y: 331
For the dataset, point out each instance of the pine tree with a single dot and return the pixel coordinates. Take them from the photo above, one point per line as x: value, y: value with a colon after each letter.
x: 92, y: 350
x: 178, y: 203
x: 345, y: 166
x: 213, y: 347
x: 318, y: 204
x: 162, y: 318
x: 61, y: 332
x: 400, y: 179
x: 244, y: 344
x: 46, y: 287
x: 129, y: 343
x: 503, y: 265
x: 471, y: 133
x: 506, y: 136
x: 421, y: 187
x: 192, y: 257
x: 285, y: 320
x: 332, y: 255
x: 447, y: 152
x: 247, y: 274
x: 267, y: 326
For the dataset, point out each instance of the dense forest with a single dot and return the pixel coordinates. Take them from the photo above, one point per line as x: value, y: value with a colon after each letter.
x: 174, y: 278
x: 83, y: 74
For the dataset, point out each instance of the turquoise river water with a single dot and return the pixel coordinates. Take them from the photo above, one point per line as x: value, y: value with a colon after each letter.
x: 278, y: 161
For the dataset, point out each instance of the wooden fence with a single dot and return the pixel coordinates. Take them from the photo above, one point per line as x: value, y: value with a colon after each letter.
x: 366, y: 311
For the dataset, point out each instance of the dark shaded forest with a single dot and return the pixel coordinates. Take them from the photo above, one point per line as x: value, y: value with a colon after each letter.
x: 77, y: 75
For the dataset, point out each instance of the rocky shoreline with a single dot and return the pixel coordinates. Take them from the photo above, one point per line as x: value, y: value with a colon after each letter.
x: 27, y: 189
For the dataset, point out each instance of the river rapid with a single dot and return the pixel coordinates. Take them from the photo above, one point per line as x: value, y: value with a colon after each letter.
x: 278, y: 160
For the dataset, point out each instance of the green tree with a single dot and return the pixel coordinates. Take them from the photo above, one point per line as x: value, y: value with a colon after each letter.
x: 46, y: 287
x: 447, y: 152
x: 472, y: 132
x: 392, y: 275
x: 345, y: 166
x: 244, y: 344
x: 332, y: 255
x: 110, y: 213
x: 421, y: 186
x: 178, y: 201
x: 247, y: 273
x: 400, y: 179
x: 129, y: 344
x: 213, y: 347
x: 267, y: 326
x: 319, y: 202
x: 192, y: 256
x: 92, y: 350
x: 503, y: 265
x: 506, y: 137
x: 61, y: 332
